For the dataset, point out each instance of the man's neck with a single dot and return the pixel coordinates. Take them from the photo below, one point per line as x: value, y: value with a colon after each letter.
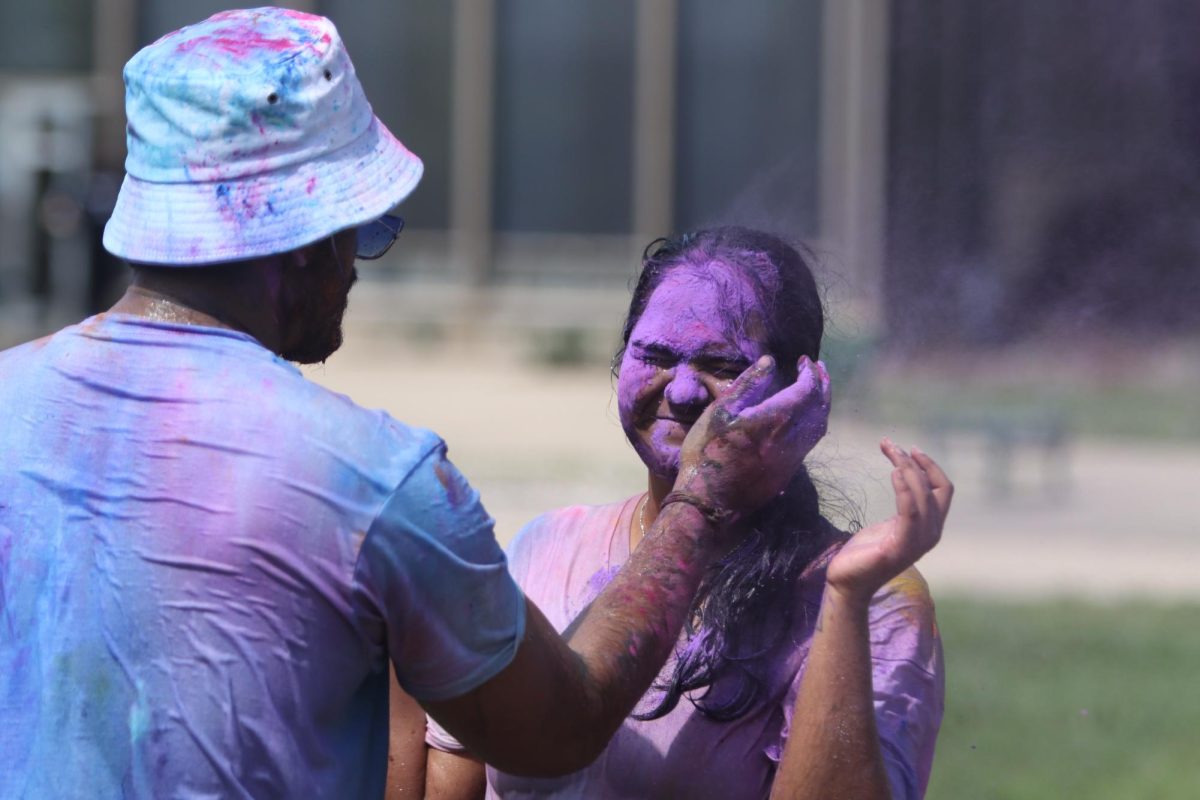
x: 140, y: 301
x: 243, y: 304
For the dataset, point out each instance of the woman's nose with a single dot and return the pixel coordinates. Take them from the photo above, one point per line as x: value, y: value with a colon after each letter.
x: 686, y: 388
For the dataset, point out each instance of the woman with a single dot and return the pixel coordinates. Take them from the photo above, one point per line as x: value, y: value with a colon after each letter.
x: 812, y: 665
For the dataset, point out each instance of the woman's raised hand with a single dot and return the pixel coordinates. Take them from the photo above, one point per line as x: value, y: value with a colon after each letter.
x: 750, y: 442
x: 878, y: 553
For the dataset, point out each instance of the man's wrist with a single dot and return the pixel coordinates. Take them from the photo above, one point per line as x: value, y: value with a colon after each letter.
x: 717, y: 516
x: 692, y: 487
x: 685, y: 522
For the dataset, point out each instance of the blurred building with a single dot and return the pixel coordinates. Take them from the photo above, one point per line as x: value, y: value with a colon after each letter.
x: 1044, y: 169
x: 968, y: 171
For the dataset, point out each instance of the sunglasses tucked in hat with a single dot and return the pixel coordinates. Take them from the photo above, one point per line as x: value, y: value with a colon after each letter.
x: 249, y: 135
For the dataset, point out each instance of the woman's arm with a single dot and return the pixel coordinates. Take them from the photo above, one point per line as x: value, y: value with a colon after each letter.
x: 406, y: 746
x: 833, y: 749
x: 454, y: 776
x: 416, y: 770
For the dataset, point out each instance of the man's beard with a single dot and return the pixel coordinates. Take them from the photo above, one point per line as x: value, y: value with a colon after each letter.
x: 322, y: 327
x: 317, y: 346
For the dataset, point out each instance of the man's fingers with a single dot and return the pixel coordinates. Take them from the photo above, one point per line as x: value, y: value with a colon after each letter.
x: 790, y: 399
x: 749, y: 388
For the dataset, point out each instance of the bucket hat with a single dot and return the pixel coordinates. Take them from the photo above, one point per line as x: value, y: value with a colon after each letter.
x: 249, y: 134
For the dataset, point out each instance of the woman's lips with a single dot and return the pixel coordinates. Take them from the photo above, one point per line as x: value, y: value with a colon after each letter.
x: 680, y: 420
x: 683, y: 424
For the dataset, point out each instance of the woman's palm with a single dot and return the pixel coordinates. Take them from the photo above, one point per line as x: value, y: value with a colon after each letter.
x: 880, y: 552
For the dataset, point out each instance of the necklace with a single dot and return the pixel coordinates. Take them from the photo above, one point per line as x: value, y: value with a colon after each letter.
x: 642, y: 514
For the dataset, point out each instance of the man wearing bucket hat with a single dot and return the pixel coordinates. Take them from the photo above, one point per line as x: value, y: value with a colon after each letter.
x: 207, y: 562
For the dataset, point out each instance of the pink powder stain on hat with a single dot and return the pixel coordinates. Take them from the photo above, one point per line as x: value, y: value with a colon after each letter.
x: 256, y: 121
x: 243, y: 40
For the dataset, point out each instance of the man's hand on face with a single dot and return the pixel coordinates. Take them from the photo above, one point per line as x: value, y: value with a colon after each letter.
x: 750, y: 442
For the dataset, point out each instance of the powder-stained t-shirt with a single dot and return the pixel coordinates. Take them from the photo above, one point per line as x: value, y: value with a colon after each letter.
x: 563, y: 559
x: 206, y: 561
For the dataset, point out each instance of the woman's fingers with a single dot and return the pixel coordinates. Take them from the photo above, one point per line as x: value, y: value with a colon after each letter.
x: 892, y: 451
x: 943, y: 489
x: 826, y: 386
x: 906, y: 505
x: 927, y: 486
x: 913, y: 476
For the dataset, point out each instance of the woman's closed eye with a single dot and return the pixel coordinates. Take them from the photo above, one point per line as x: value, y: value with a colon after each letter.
x: 723, y: 369
x: 657, y: 360
x: 655, y: 356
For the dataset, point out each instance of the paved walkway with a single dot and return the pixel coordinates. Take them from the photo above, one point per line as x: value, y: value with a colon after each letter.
x: 532, y: 438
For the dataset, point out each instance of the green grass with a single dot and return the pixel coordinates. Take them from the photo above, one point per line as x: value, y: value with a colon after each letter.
x: 1064, y: 700
x: 1144, y: 412
x: 1091, y: 395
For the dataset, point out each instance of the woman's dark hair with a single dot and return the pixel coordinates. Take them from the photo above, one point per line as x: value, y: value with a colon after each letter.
x: 736, y: 616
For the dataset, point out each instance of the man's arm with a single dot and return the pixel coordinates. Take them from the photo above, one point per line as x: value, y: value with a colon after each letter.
x: 554, y: 707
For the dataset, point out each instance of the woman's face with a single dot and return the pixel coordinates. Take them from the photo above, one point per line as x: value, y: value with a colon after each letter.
x: 699, y: 331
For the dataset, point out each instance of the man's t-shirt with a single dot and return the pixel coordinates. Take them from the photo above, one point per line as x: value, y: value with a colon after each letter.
x: 206, y: 561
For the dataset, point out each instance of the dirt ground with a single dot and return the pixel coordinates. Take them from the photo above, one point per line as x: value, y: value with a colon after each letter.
x: 1119, y: 520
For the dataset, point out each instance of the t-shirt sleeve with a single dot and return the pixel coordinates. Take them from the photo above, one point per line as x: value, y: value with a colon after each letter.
x: 519, y: 553
x: 908, y: 681
x: 432, y: 566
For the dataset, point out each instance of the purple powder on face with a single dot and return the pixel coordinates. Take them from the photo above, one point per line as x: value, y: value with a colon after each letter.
x: 684, y: 350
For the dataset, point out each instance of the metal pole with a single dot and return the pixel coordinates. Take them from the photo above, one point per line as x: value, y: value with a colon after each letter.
x: 854, y: 65
x: 114, y: 40
x: 472, y: 122
x: 654, y: 120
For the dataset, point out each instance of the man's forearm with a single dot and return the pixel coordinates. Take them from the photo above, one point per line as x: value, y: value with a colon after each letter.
x: 553, y: 710
x: 626, y: 634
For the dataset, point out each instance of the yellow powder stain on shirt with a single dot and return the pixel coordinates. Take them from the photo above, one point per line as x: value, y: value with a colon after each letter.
x: 908, y: 594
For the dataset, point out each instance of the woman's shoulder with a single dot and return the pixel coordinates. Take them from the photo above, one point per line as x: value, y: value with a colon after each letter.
x: 903, y: 626
x: 572, y: 521
x: 908, y: 590
x: 564, y: 530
